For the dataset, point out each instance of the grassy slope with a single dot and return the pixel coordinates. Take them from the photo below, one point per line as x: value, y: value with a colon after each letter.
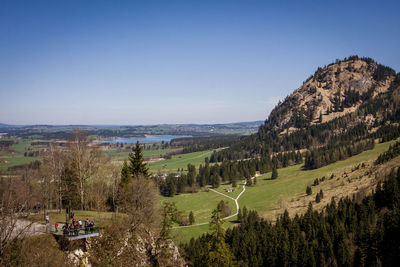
x: 293, y: 181
x: 180, y: 161
x: 233, y: 194
x: 18, y: 157
x: 201, y: 203
x: 266, y: 195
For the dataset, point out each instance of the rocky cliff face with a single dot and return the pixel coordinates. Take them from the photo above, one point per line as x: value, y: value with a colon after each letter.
x: 331, y: 92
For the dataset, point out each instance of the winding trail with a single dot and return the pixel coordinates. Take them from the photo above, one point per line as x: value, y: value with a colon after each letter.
x: 226, y: 218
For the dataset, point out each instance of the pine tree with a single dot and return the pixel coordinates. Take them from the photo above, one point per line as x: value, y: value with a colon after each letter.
x: 137, y: 165
x: 218, y: 253
x: 274, y: 174
x: 234, y: 182
x: 239, y: 216
x: 244, y: 214
x: 125, y: 174
x: 191, y: 218
x: 318, y: 198
x: 308, y: 190
x: 216, y: 181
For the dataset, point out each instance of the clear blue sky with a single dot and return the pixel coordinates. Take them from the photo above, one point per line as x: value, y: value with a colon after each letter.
x: 148, y: 62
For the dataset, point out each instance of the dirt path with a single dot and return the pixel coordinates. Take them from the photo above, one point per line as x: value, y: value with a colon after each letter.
x: 226, y: 218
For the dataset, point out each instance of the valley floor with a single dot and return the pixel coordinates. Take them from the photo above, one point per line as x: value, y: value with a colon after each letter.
x: 271, y: 197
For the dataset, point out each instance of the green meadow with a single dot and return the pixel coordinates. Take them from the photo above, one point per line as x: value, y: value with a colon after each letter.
x: 267, y: 194
x: 18, y: 157
x: 180, y: 161
x: 201, y: 203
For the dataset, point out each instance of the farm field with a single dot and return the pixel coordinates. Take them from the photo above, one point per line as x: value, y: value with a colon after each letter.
x: 267, y: 195
x: 180, y: 161
x: 18, y: 157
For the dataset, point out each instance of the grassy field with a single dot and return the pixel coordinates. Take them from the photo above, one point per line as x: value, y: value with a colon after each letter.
x: 292, y: 181
x: 235, y: 192
x: 18, y: 157
x: 267, y: 195
x: 201, y: 203
x: 180, y: 161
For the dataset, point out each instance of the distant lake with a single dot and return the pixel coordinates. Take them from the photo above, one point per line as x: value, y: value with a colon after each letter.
x: 144, y: 140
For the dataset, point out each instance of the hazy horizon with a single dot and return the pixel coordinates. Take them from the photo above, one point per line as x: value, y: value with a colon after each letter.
x: 176, y: 62
x: 135, y: 125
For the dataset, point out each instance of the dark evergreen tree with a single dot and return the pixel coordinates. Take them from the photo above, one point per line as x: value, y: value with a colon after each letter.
x: 308, y: 190
x: 317, y: 198
x: 125, y: 174
x: 274, y: 174
x: 191, y: 218
x: 137, y: 164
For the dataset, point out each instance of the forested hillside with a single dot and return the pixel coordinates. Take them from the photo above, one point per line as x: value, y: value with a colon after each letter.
x: 346, y: 233
x: 342, y: 103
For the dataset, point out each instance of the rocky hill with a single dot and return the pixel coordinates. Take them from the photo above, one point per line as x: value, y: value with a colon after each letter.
x: 333, y: 91
x: 354, y: 94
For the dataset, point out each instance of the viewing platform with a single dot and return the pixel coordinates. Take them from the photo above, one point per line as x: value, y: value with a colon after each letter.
x: 77, y: 234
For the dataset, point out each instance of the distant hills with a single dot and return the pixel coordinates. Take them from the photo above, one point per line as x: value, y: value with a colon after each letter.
x: 2, y: 125
x: 63, y: 131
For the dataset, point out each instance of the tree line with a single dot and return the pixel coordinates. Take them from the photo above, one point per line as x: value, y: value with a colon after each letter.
x: 320, y: 157
x: 225, y: 172
x: 392, y: 152
x: 195, y: 144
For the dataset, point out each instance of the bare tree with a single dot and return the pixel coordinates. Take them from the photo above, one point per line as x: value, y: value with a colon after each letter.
x: 139, y: 200
x: 16, y: 198
x: 114, y: 180
x: 52, y: 168
x: 97, y: 194
x: 135, y: 239
x: 84, y: 161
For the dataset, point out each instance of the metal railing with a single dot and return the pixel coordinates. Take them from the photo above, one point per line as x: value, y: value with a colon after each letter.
x: 80, y: 231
